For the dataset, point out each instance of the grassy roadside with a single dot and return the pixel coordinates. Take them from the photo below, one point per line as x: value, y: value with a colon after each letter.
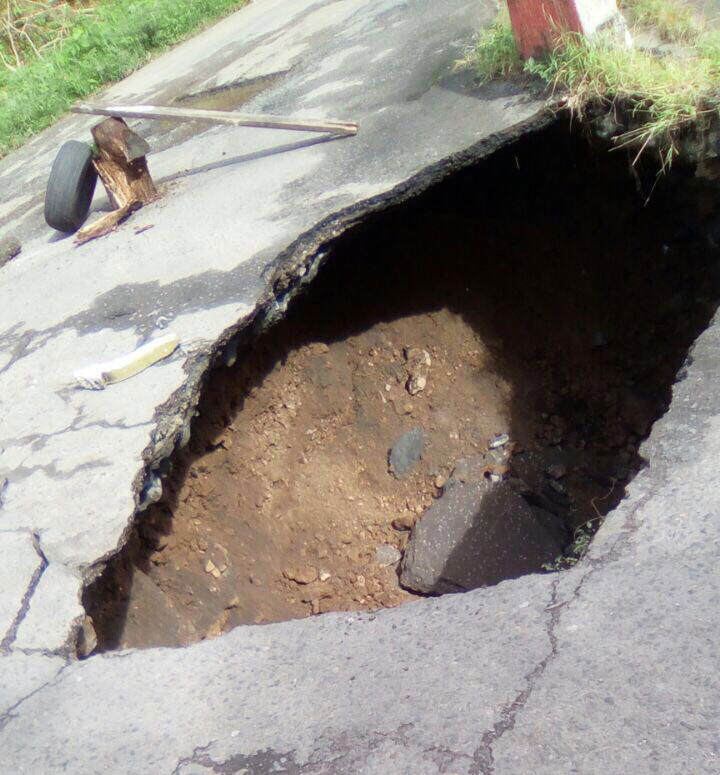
x: 662, y: 94
x: 97, y: 47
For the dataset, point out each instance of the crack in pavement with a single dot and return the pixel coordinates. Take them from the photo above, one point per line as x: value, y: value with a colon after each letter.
x: 38, y: 440
x: 483, y: 758
x: 11, y: 634
x: 8, y: 715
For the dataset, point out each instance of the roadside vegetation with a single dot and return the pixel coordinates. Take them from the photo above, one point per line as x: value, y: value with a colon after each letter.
x: 660, y: 92
x: 53, y: 52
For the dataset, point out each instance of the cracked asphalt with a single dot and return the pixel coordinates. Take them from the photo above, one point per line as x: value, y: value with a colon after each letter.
x: 608, y: 667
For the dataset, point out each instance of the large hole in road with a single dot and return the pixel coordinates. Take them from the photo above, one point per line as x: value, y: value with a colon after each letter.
x: 465, y: 382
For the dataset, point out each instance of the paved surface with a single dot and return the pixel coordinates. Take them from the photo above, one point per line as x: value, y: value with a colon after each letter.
x: 608, y: 668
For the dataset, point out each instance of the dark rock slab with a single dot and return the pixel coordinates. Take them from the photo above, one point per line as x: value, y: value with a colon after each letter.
x: 406, y: 452
x: 476, y: 535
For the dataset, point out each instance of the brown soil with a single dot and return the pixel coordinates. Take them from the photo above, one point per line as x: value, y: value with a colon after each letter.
x: 551, y: 305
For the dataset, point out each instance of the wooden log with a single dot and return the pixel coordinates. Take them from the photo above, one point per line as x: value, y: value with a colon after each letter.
x: 121, y: 163
x: 123, y: 170
x: 220, y: 117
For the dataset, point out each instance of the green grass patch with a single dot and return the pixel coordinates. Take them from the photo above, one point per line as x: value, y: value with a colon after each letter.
x: 495, y: 54
x: 661, y: 95
x: 97, y: 48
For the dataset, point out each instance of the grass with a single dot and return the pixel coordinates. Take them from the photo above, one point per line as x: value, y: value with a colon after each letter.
x: 659, y: 95
x: 95, y: 49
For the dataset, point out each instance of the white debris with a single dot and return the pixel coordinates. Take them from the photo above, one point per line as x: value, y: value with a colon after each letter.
x: 98, y: 375
x: 499, y: 441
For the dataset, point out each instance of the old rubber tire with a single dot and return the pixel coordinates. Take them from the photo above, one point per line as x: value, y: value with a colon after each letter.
x: 70, y: 187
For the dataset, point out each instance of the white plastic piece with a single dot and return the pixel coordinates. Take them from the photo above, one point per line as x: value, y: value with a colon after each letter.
x: 98, y: 375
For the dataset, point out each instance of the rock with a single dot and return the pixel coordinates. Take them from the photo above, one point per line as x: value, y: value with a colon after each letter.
x: 87, y: 638
x: 416, y: 384
x: 216, y: 561
x: 323, y: 575
x: 305, y: 574
x: 404, y: 521
x: 406, y: 452
x: 478, y: 534
x: 9, y: 248
x: 440, y: 481
x: 418, y: 363
x: 386, y: 554
x: 500, y: 440
x: 416, y: 357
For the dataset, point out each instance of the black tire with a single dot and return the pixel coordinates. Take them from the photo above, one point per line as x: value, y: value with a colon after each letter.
x: 70, y: 187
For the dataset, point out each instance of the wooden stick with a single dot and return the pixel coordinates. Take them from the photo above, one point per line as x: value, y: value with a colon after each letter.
x: 219, y: 117
x: 107, y: 223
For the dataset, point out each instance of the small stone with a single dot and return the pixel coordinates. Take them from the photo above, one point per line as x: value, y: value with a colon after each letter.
x: 416, y: 356
x: 321, y: 348
x: 87, y: 639
x: 360, y: 581
x: 303, y: 575
x: 386, y: 554
x: 556, y: 471
x: 404, y: 522
x: 416, y: 384
x: 323, y: 575
x: 407, y: 408
x: 9, y: 248
x: 210, y: 567
x: 406, y: 451
x: 440, y: 481
x: 315, y: 606
x: 500, y: 440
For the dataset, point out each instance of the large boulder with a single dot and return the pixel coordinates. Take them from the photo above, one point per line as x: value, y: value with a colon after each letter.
x: 478, y: 533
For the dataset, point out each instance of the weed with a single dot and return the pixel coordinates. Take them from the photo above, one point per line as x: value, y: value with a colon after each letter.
x: 576, y: 551
x: 495, y: 54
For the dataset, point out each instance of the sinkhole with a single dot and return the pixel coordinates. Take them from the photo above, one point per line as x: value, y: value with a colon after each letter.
x: 458, y: 397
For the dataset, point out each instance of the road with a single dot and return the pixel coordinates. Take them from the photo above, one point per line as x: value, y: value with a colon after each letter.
x: 610, y: 666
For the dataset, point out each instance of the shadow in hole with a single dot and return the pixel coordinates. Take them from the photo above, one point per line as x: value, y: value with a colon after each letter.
x: 547, y: 251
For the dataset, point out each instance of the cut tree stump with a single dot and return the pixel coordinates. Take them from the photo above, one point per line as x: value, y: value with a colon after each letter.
x: 123, y: 170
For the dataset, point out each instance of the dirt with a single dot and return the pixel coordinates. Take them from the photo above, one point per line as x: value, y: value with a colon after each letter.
x: 525, y: 296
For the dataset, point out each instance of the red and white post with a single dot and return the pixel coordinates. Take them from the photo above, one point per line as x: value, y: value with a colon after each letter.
x: 536, y: 23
